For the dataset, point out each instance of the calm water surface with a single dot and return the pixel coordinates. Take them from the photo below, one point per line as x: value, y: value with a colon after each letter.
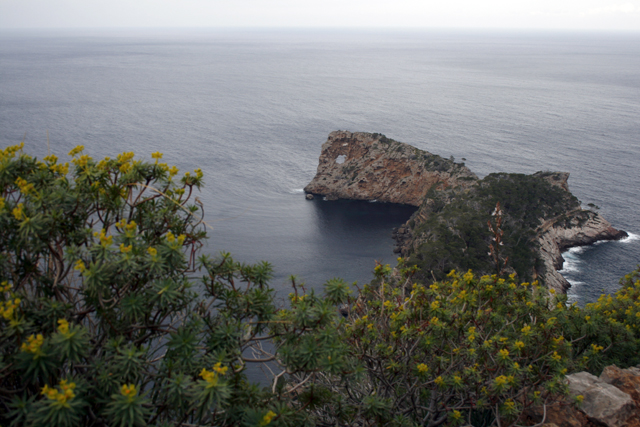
x: 252, y: 108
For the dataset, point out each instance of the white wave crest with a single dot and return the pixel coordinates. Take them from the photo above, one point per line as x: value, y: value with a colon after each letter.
x: 296, y: 191
x: 631, y: 238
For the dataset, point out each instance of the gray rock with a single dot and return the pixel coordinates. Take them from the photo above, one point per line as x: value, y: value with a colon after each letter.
x: 602, y: 402
x: 309, y: 196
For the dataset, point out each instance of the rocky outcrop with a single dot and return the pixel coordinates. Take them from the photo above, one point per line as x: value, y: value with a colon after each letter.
x: 576, y: 228
x: 612, y: 400
x: 454, y: 206
x: 366, y: 166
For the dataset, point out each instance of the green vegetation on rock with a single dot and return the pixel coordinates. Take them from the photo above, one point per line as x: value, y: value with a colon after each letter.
x: 454, y: 234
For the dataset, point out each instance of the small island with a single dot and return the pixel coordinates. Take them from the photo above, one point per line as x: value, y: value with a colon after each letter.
x: 449, y: 229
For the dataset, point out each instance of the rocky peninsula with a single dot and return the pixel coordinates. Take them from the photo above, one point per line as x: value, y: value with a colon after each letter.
x: 449, y: 228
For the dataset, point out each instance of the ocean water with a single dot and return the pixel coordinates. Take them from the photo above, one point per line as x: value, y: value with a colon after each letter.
x: 252, y: 108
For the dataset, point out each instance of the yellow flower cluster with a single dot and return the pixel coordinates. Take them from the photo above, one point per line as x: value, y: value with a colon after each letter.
x: 105, y: 240
x: 501, y: 381
x: 63, y: 327
x: 171, y: 238
x: 18, y: 212
x: 509, y: 405
x: 79, y: 149
x: 8, y: 308
x: 422, y: 368
x: 33, y: 344
x: 125, y: 161
x: 10, y: 151
x: 24, y: 186
x: 62, y: 396
x: 268, y: 417
x: 81, y: 161
x: 125, y: 249
x: 128, y: 391
x: 80, y: 266
x: 211, y: 377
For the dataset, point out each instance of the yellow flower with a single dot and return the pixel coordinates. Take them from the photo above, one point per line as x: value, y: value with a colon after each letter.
x: 125, y: 249
x: 33, y: 345
x: 77, y: 150
x: 211, y: 377
x: 170, y: 237
x: 509, y: 405
x: 504, y: 354
x: 556, y: 356
x: 173, y: 171
x: 80, y: 266
x: 157, y: 155
x: 62, y: 396
x: 439, y: 381
x: 526, y: 330
x: 222, y: 370
x: 519, y: 345
x: 63, y: 326
x: 18, y: 213
x: 128, y: 391
x: 267, y: 418
x: 104, y: 239
x: 152, y: 251
x: 124, y: 168
x: 5, y: 286
x: 422, y: 368
x: 501, y: 381
x: 456, y: 415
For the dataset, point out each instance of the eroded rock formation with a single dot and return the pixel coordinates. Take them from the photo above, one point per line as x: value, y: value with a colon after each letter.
x: 365, y: 166
x: 454, y: 206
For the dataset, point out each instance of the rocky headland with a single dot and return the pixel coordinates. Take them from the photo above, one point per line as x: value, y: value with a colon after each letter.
x: 449, y: 228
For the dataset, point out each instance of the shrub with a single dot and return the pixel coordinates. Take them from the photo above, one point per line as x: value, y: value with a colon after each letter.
x: 108, y: 316
x: 104, y: 319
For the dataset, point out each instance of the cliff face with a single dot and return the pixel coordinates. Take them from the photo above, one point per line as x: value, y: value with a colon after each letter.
x: 579, y: 228
x: 365, y: 166
x: 449, y: 230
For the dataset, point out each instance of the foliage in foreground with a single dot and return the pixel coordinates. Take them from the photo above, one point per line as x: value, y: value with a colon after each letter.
x: 108, y: 317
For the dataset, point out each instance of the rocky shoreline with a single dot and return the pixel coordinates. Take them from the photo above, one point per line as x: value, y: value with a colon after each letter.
x: 365, y: 166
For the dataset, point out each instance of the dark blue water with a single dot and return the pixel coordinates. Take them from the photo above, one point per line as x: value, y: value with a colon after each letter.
x: 253, y: 108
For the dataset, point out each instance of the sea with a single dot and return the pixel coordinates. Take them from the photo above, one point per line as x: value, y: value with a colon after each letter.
x: 252, y: 107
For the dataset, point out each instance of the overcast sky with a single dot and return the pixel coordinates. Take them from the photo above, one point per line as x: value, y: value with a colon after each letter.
x: 524, y: 14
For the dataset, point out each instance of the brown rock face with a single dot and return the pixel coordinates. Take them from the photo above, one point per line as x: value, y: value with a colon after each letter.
x: 365, y: 166
x: 627, y: 380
